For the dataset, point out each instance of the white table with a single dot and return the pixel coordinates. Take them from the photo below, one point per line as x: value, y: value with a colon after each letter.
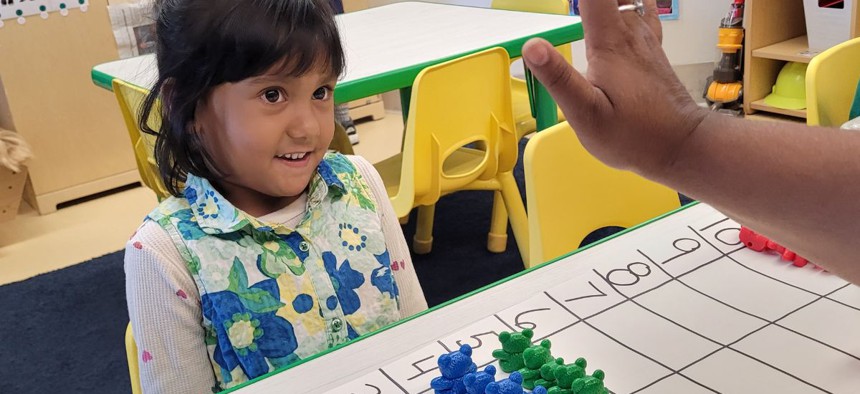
x: 386, y: 47
x: 701, y: 314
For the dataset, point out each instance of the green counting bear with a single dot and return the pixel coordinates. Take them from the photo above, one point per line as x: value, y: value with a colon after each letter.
x: 533, y: 359
x: 567, y: 375
x: 590, y: 384
x: 510, y: 356
x: 547, y: 373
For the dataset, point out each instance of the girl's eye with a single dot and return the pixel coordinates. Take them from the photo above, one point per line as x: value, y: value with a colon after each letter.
x: 273, y: 96
x: 322, y: 93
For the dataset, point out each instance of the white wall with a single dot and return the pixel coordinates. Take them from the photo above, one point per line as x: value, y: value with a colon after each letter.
x: 692, y: 38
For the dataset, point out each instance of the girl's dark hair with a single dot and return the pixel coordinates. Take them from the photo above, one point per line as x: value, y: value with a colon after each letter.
x: 205, y: 43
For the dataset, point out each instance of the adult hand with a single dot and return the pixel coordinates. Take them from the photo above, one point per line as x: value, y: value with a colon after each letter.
x: 629, y: 110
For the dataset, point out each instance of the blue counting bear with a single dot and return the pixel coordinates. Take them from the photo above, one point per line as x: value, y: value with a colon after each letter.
x: 454, y: 366
x: 477, y: 382
x: 512, y: 385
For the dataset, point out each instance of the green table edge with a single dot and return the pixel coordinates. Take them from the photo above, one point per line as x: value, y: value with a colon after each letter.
x: 404, y: 77
x: 467, y: 295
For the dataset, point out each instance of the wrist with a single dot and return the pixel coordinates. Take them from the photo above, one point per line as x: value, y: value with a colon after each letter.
x: 696, y: 125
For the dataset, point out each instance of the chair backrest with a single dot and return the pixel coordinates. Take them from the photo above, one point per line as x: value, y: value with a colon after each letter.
x: 570, y: 194
x: 831, y: 80
x: 560, y: 7
x: 131, y: 356
x: 130, y: 99
x: 459, y: 103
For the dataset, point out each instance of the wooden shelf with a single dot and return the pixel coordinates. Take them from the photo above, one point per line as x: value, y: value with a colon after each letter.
x: 772, y: 117
x: 793, y: 50
x: 761, y: 106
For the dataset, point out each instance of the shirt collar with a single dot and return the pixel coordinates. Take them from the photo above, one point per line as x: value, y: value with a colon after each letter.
x: 216, y: 215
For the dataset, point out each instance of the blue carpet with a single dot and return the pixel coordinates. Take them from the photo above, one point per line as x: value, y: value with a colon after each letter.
x: 63, y: 331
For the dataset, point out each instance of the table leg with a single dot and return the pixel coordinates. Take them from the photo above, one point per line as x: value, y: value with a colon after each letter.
x: 542, y: 104
x: 405, y: 98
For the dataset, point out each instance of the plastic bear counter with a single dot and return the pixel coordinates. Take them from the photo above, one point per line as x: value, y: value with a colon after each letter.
x: 677, y: 305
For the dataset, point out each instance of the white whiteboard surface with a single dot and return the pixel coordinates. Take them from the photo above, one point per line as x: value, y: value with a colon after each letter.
x: 676, y: 306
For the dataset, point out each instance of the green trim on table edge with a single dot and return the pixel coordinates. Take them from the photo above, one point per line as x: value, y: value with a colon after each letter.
x: 464, y: 296
x: 101, y: 79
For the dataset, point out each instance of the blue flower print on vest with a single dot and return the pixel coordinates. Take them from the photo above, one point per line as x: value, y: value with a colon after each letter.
x: 345, y: 280
x: 381, y: 277
x: 248, y: 330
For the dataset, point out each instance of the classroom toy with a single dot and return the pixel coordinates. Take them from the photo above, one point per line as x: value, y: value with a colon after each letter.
x: 510, y: 356
x: 566, y: 375
x: 476, y: 382
x: 453, y: 367
x: 533, y: 359
x: 590, y: 384
x: 512, y: 385
x: 760, y: 243
x: 547, y: 372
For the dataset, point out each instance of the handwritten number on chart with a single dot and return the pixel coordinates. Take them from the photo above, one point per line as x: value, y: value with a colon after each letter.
x: 630, y: 272
x: 422, y: 371
x: 602, y: 294
x: 527, y: 324
x: 733, y: 239
x: 685, y: 246
x: 378, y: 391
x: 477, y: 338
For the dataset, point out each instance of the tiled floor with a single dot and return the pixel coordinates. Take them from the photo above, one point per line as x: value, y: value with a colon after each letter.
x: 33, y: 244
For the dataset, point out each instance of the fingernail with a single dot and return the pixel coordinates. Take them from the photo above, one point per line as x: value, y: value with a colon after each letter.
x: 536, y: 53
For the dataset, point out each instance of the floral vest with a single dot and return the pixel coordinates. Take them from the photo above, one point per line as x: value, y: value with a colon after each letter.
x: 273, y: 295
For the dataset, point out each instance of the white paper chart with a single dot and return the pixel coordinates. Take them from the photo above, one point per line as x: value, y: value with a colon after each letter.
x: 20, y: 9
x: 688, y: 310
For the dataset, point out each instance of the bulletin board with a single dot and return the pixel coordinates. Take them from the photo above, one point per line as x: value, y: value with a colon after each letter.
x: 19, y: 10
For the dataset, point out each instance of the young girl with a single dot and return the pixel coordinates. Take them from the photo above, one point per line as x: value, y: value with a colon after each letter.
x: 270, y: 250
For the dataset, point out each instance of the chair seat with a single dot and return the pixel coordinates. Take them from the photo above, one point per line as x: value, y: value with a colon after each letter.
x: 458, y: 170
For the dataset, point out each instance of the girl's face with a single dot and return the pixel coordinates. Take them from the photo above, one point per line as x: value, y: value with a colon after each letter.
x: 266, y: 135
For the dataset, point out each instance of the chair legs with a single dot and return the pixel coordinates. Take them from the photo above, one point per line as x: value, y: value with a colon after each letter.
x: 517, y: 212
x: 507, y: 205
x: 497, y: 239
x: 423, y: 241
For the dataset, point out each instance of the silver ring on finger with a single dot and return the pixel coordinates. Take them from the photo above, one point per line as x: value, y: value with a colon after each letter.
x: 638, y: 6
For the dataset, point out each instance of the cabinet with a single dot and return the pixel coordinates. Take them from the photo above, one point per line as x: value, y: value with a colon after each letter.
x: 775, y: 34
x: 371, y: 107
x: 78, y: 137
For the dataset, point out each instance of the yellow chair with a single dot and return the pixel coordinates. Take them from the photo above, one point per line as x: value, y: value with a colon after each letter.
x: 466, y: 101
x: 831, y: 80
x: 570, y: 194
x: 131, y: 356
x: 519, y: 93
x: 130, y: 98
